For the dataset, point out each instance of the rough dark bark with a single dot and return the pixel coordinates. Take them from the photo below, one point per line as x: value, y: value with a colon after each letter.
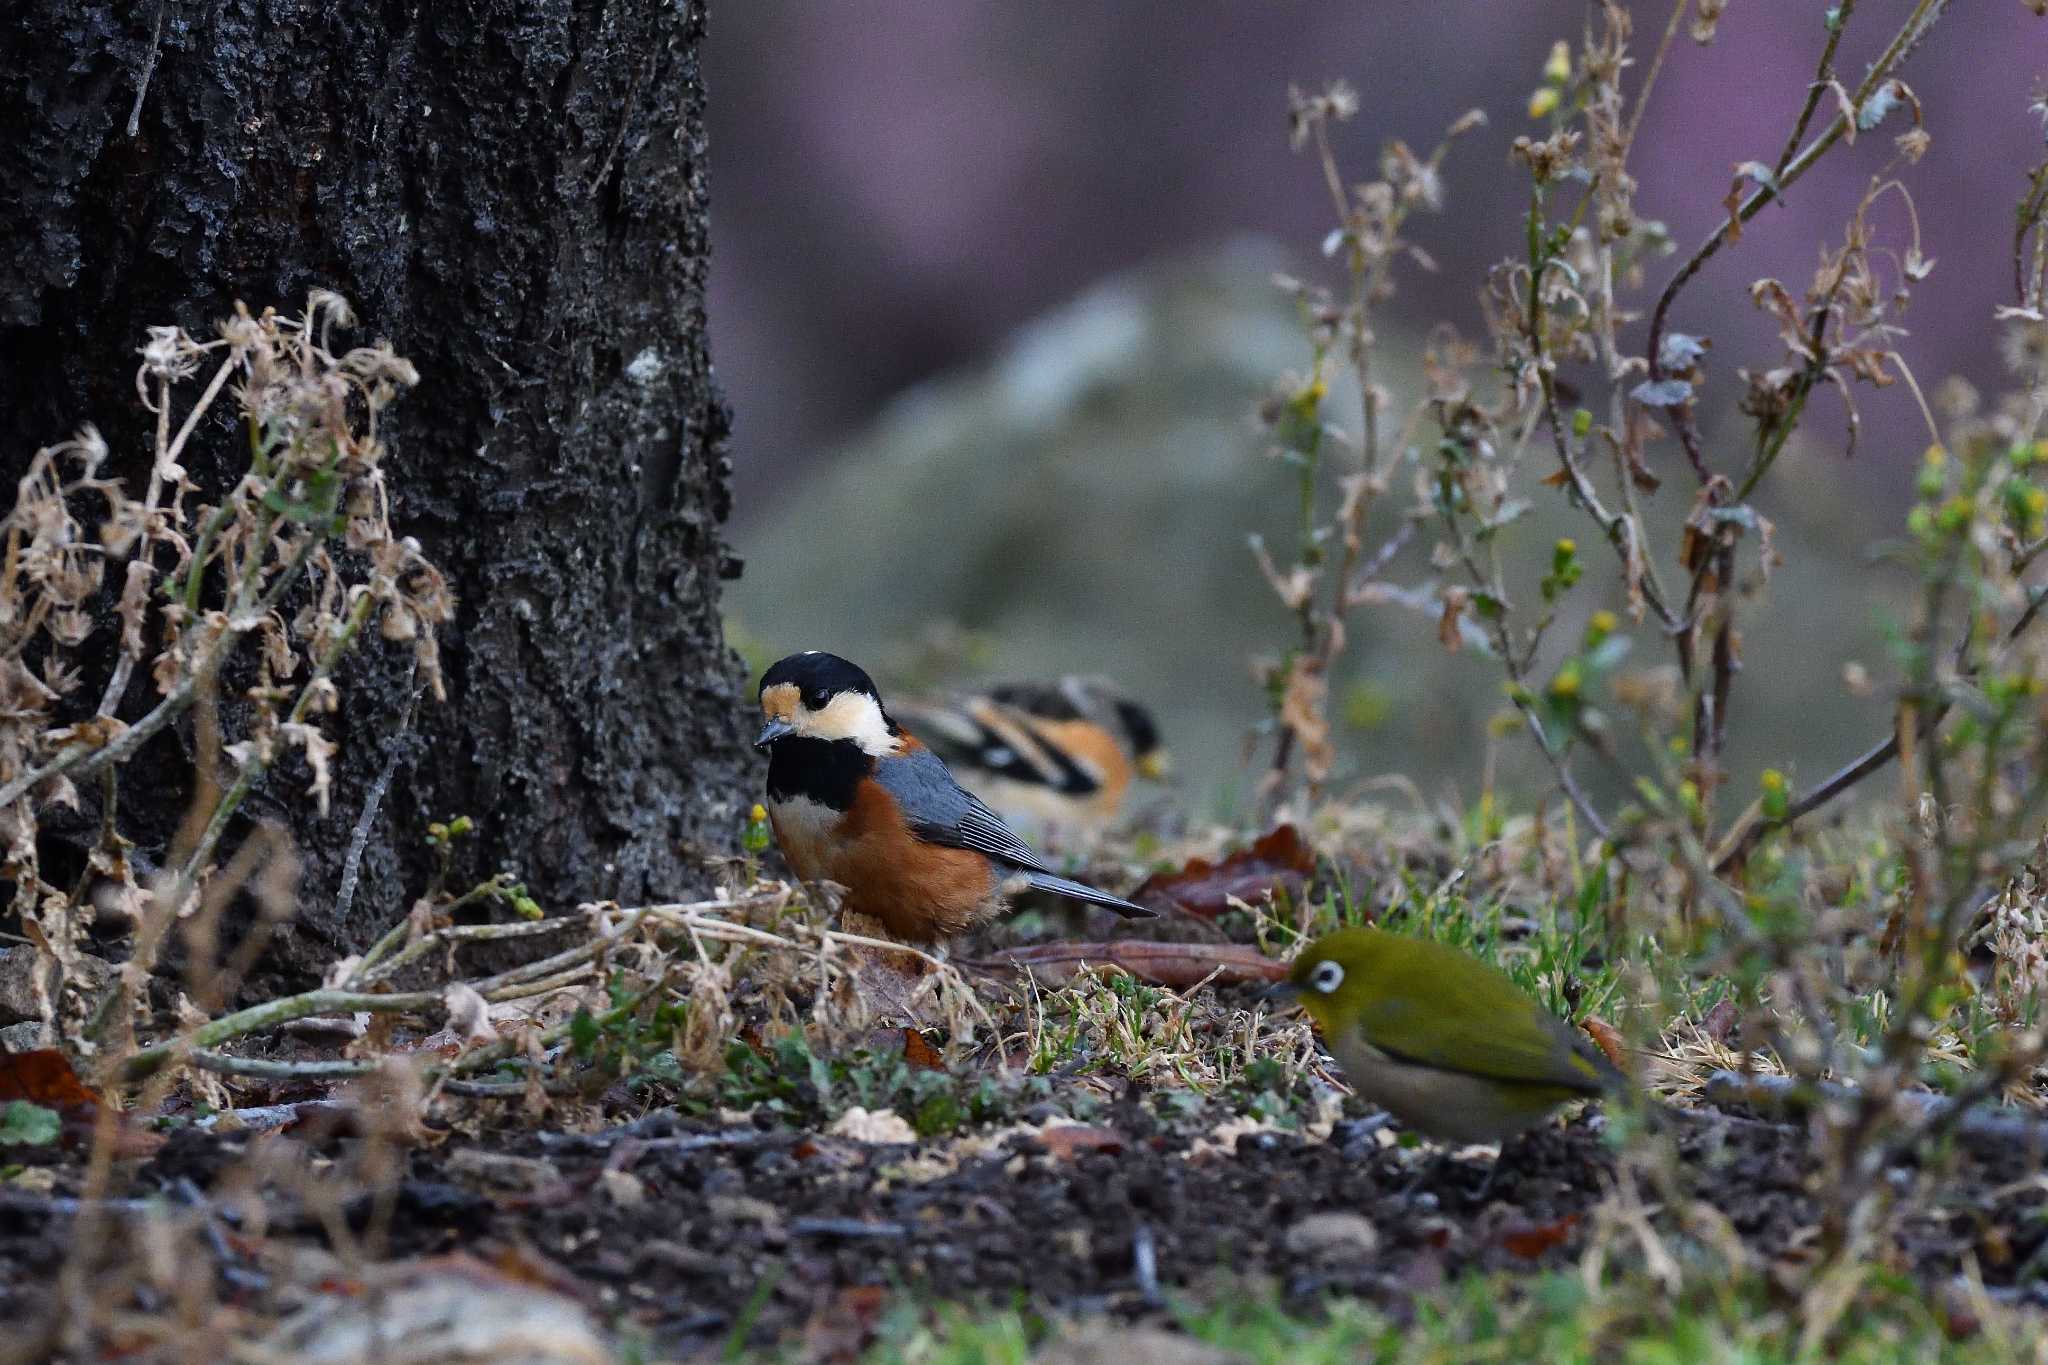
x: 513, y: 191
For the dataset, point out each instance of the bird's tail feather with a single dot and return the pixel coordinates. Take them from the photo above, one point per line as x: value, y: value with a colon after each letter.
x: 1080, y: 891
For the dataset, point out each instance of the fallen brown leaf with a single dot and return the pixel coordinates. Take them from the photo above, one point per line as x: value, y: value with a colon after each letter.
x: 1531, y: 1240
x: 1067, y: 1141
x: 1178, y: 965
x: 43, y: 1077
x: 1280, y: 860
x: 1720, y: 1020
x: 919, y: 1053
x: 1607, y: 1038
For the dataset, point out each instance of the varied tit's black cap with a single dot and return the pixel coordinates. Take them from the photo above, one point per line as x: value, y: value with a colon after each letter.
x: 1139, y: 727
x: 818, y: 677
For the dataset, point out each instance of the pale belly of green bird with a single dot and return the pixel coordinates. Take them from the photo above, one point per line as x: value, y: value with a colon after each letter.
x: 1447, y: 1104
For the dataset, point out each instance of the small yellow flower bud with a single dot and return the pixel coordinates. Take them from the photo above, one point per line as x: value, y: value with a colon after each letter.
x: 1558, y: 69
x: 1543, y: 102
x: 1775, y: 801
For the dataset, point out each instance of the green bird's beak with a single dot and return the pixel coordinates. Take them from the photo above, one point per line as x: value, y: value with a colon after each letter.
x: 1280, y: 991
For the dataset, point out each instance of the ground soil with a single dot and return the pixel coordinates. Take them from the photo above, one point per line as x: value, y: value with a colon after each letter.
x: 692, y: 1234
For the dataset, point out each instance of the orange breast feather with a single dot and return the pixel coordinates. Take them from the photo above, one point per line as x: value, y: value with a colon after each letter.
x: 922, y: 891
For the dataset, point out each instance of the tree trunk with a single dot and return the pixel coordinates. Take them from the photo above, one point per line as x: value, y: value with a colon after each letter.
x: 512, y: 191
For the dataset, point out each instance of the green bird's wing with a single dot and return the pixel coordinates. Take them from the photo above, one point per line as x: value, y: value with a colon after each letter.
x: 1474, y: 1020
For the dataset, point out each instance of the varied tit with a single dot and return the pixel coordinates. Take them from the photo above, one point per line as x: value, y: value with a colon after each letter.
x: 1442, y: 1041
x: 856, y: 800
x: 1055, y: 755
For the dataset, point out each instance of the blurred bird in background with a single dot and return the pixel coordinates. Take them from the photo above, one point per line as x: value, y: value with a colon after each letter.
x: 1056, y: 758
x: 857, y: 800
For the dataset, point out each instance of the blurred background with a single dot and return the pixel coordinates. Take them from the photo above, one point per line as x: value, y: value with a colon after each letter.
x: 992, y: 301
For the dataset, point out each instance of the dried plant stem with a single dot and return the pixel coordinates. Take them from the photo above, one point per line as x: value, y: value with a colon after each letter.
x: 375, y: 967
x: 1514, y: 663
x: 359, y: 838
x: 253, y: 771
x: 1752, y: 827
x: 347, y: 1069
x: 539, y: 977
x: 1790, y: 169
x: 1657, y: 65
x: 2033, y: 218
x: 505, y: 985
x: 169, y: 456
x: 1561, y: 766
x: 693, y: 920
x: 83, y: 758
x: 270, y: 1014
x: 1620, y: 528
x: 1823, y: 73
x: 86, y: 758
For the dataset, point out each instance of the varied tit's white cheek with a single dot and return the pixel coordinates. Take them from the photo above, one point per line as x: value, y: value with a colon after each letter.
x: 850, y: 715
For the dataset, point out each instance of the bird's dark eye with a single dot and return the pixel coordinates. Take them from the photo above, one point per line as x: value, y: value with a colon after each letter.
x: 1327, y: 977
x: 816, y: 698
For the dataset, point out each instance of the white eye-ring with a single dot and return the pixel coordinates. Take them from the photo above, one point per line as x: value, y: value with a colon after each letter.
x: 1327, y: 976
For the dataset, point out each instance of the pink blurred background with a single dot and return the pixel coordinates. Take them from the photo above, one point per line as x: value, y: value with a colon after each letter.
x: 898, y: 184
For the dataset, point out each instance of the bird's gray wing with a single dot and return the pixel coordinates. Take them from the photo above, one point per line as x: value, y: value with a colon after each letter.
x: 941, y: 811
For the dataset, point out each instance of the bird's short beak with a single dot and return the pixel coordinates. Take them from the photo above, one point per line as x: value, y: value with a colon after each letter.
x: 772, y: 731
x: 1156, y: 766
x: 1280, y: 991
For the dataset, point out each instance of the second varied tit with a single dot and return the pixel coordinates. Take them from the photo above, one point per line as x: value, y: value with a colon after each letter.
x: 1055, y: 755
x: 857, y: 800
x: 1442, y: 1041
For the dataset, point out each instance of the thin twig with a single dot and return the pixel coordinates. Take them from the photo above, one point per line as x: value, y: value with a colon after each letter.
x: 1656, y: 66
x: 1924, y: 15
x: 352, y: 863
x: 376, y: 968
x: 1751, y: 827
x: 156, y: 41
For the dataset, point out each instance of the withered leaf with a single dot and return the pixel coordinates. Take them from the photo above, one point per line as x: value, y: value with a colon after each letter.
x: 1721, y: 1020
x: 1607, y: 1039
x: 44, y: 1077
x: 1068, y: 1141
x: 1531, y: 1240
x: 1680, y: 351
x: 1304, y: 709
x: 1454, y: 600
x: 1279, y: 861
x: 1661, y: 393
x: 919, y: 1053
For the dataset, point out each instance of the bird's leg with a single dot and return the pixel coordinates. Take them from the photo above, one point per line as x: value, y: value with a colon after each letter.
x: 1514, y: 1146
x: 1427, y: 1172
x: 1479, y: 1195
